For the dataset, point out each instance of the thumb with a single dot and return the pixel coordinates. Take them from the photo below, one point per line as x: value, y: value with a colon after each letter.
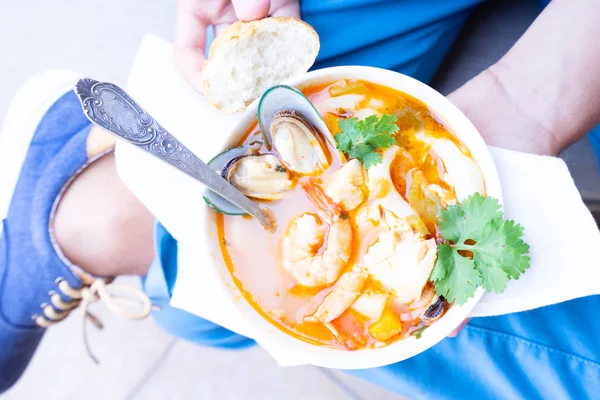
x: 249, y: 10
x: 461, y: 98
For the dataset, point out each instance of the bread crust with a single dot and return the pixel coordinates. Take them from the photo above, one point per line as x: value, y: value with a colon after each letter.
x: 245, y: 29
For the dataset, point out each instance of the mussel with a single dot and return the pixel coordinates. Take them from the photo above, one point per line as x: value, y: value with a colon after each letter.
x: 292, y: 126
x: 260, y: 176
x: 298, y: 143
x: 435, y: 310
x: 298, y: 136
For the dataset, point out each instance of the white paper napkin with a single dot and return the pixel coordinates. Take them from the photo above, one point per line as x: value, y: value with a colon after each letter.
x: 539, y: 193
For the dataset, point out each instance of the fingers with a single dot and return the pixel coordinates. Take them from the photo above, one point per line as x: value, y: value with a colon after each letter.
x: 285, y: 8
x: 457, y: 330
x: 190, y: 42
x: 461, y: 99
x: 220, y: 28
x: 195, y: 16
x: 249, y: 10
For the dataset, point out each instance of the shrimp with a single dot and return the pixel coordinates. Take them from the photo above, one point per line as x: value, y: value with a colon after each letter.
x: 344, y: 293
x: 317, y: 248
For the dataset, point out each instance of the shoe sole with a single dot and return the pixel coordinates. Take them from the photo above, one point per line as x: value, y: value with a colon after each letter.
x: 25, y: 112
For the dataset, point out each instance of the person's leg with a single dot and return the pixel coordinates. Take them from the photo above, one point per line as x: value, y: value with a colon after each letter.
x: 101, y: 226
x: 67, y: 219
x: 47, y: 153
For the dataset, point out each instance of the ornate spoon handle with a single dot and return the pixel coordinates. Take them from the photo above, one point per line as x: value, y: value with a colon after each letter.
x: 110, y: 107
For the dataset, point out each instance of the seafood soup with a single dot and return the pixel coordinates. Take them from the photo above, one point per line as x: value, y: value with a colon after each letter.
x: 349, y: 263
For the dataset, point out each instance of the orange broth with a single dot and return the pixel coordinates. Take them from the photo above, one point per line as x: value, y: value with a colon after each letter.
x: 253, y: 257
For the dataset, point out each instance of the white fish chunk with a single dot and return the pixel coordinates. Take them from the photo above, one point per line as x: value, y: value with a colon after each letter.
x: 366, y: 112
x: 371, y: 305
x: 334, y: 104
x: 401, y: 260
x: 347, y: 185
x: 462, y: 173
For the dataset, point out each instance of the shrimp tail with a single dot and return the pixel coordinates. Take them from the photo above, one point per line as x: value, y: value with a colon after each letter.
x: 327, y: 209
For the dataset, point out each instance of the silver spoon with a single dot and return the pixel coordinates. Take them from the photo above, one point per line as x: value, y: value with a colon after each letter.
x: 109, y: 107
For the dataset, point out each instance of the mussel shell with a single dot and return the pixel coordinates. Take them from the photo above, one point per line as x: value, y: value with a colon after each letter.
x: 218, y: 164
x: 229, y: 163
x: 225, y: 162
x: 285, y: 114
x: 220, y: 161
x: 435, y: 310
x: 298, y: 143
x: 283, y: 97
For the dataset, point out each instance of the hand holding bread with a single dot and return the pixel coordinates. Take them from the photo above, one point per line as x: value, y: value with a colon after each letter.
x: 195, y: 16
x: 249, y: 57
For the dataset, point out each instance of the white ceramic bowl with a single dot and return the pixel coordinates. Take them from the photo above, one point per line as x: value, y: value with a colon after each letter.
x: 460, y: 126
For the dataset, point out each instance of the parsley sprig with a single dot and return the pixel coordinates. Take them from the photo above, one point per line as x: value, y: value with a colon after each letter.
x: 481, y: 249
x: 361, y: 139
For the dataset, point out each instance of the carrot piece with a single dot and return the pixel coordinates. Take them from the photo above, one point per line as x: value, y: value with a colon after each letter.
x: 387, y: 326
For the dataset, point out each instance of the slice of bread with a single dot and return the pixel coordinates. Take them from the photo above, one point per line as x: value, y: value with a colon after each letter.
x: 249, y: 57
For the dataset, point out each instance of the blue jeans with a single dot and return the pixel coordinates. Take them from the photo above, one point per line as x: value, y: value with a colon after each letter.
x: 552, y: 352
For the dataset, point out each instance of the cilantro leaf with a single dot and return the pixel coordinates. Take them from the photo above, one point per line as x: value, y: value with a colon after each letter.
x: 461, y: 278
x: 518, y: 250
x: 479, y: 209
x: 371, y: 159
x: 483, y: 249
x: 362, y: 139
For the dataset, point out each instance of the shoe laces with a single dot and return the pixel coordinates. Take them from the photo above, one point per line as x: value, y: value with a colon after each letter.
x: 118, y: 298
